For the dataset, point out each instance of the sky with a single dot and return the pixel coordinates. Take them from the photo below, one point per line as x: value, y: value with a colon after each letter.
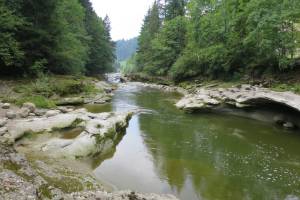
x: 126, y: 16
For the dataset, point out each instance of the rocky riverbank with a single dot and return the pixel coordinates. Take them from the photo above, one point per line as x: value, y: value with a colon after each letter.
x: 47, y: 168
x: 256, y: 102
x: 245, y: 97
x: 35, y: 179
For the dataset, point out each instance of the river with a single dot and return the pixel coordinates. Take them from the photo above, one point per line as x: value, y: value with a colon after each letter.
x: 201, y: 156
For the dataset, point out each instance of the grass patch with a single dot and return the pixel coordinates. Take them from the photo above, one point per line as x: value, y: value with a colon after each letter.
x: 287, y: 87
x: 45, y: 90
x: 44, y: 191
x: 39, y: 101
x: 48, y: 86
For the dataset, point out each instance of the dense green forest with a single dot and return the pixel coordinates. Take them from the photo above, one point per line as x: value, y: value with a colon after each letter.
x: 125, y: 49
x: 225, y: 39
x: 57, y: 36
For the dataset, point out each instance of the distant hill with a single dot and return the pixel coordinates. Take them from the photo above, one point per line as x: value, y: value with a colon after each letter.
x: 126, y: 48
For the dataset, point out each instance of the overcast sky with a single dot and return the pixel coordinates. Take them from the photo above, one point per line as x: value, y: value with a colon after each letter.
x: 126, y: 16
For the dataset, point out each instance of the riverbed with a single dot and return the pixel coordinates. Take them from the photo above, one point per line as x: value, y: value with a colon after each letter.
x: 200, y: 156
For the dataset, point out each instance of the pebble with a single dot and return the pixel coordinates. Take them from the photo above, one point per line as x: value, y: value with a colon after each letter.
x: 30, y: 106
x: 289, y: 125
x: 11, y: 115
x: 40, y: 112
x: 6, y: 106
x: 52, y: 113
x: 24, y: 112
x: 63, y: 109
x: 3, y: 122
x: 3, y: 131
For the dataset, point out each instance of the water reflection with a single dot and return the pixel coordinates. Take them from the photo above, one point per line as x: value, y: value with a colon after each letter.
x: 200, y: 156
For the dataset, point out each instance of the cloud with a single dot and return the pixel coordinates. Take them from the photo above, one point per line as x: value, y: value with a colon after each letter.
x: 126, y: 16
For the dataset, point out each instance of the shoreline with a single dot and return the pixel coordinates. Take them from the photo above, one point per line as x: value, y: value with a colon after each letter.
x: 50, y: 177
x: 195, y: 100
x: 244, y: 100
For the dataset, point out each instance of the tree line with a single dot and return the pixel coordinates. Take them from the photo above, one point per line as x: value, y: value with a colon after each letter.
x: 57, y: 36
x: 125, y: 48
x: 224, y: 39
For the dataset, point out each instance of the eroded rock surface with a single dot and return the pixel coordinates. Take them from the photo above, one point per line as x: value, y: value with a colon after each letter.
x: 99, y: 131
x: 38, y: 179
x: 243, y: 96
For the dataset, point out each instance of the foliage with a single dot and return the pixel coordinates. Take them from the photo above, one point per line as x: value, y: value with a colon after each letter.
x: 287, y: 87
x: 151, y: 27
x: 44, y: 90
x: 167, y: 47
x: 10, y: 50
x: 58, y: 36
x: 101, y: 52
x: 125, y: 48
x: 129, y: 66
x: 220, y: 39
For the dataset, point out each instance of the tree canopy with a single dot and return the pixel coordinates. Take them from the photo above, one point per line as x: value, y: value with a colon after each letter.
x: 58, y: 36
x: 219, y: 39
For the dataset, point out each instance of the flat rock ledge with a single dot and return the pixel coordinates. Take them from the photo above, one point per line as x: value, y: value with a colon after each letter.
x: 24, y: 180
x: 205, y: 99
x: 98, y: 135
x: 243, y: 96
x: 121, y: 195
x: 165, y: 88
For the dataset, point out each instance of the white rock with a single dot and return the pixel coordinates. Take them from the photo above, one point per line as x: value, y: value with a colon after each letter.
x: 3, y: 131
x: 29, y: 106
x: 52, y: 113
x: 289, y: 125
x: 246, y: 95
x: 99, y: 129
x: 24, y: 112
x: 63, y: 109
x: 94, y: 139
x: 11, y: 115
x: 6, y: 106
x: 3, y: 121
x: 17, y: 128
x: 40, y: 112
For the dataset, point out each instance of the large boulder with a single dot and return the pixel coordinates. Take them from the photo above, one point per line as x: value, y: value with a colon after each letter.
x: 99, y: 132
x: 18, y: 127
x: 97, y: 137
x: 201, y: 101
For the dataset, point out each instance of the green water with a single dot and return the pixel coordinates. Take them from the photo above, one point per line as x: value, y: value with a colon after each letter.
x: 203, y: 156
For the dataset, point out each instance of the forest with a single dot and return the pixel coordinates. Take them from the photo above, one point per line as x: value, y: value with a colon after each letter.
x: 125, y: 48
x: 226, y: 39
x: 53, y: 36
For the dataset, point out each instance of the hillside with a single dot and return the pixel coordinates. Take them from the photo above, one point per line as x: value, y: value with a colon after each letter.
x: 125, y: 48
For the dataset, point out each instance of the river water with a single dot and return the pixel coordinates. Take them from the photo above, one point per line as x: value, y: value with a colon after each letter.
x: 202, y: 156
